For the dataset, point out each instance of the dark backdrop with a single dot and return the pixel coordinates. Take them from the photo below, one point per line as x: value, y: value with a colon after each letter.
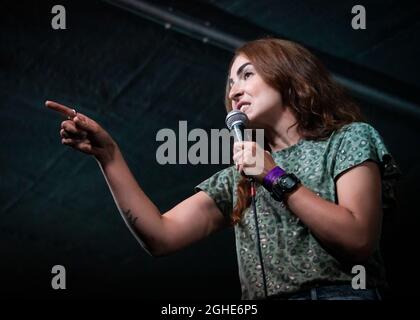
x: 135, y: 77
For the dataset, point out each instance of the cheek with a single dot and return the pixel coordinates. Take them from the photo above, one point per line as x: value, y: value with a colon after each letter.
x: 268, y: 99
x: 274, y: 98
x: 264, y: 96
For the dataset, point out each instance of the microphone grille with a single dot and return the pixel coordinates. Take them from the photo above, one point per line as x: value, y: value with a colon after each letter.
x: 236, y: 117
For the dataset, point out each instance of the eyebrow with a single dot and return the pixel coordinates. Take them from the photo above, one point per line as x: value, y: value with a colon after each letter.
x: 240, y: 69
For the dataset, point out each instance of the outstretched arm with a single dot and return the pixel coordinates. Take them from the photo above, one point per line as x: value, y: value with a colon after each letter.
x: 188, y: 222
x: 191, y: 220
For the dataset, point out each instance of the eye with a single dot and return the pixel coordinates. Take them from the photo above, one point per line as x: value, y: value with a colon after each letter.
x: 247, y: 75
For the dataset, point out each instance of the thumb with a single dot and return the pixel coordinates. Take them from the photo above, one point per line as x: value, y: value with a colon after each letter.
x: 84, y: 123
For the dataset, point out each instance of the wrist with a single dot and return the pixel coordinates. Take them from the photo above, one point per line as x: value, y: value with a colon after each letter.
x: 108, y: 154
x: 271, y: 177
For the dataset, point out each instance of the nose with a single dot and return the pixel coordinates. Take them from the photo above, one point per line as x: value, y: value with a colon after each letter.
x: 235, y: 92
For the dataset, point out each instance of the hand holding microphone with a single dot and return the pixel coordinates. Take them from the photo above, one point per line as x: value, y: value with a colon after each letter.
x: 250, y: 159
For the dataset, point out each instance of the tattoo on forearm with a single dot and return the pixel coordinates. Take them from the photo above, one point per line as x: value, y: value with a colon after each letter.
x: 130, y: 217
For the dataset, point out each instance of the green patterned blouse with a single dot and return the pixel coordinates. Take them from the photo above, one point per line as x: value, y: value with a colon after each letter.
x: 293, y: 258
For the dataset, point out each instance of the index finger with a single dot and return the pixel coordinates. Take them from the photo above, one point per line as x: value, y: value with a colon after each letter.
x: 60, y: 108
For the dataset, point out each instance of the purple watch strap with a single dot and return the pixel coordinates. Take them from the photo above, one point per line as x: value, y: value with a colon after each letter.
x: 271, y: 176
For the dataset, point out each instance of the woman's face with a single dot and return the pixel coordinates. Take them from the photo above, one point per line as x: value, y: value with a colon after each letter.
x: 250, y: 94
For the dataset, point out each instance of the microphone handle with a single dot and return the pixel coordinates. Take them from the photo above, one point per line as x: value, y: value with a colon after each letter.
x: 238, y: 133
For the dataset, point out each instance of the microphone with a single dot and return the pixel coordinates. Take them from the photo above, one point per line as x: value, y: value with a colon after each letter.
x: 236, y: 121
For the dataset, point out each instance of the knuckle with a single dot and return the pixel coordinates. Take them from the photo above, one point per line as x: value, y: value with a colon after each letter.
x: 96, y: 128
x: 65, y: 125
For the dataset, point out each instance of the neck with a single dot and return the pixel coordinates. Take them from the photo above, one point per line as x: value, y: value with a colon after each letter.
x: 282, y: 133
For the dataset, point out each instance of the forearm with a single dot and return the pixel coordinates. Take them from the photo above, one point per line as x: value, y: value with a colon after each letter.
x: 142, y: 217
x: 335, y: 226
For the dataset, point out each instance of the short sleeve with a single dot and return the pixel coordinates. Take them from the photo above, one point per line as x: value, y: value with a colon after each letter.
x: 220, y: 188
x: 359, y: 142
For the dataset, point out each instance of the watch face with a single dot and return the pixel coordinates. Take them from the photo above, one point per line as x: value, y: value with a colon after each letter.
x: 283, y: 185
x: 287, y: 183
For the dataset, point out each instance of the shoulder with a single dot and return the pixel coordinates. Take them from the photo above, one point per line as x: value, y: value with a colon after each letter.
x: 220, y: 188
x: 223, y: 179
x: 357, y: 129
x: 355, y: 143
x: 228, y: 173
x: 357, y: 134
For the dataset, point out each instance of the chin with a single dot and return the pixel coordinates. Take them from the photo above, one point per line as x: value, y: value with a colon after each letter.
x: 252, y: 124
x: 248, y: 114
x: 251, y: 119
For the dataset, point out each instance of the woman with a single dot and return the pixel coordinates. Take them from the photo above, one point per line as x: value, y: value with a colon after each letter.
x: 319, y: 195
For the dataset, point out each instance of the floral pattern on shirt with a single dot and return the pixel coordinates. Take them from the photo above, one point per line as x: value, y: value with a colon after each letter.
x: 293, y: 259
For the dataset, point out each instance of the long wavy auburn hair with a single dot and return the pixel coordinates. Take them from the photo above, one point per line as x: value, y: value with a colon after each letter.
x: 319, y: 104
